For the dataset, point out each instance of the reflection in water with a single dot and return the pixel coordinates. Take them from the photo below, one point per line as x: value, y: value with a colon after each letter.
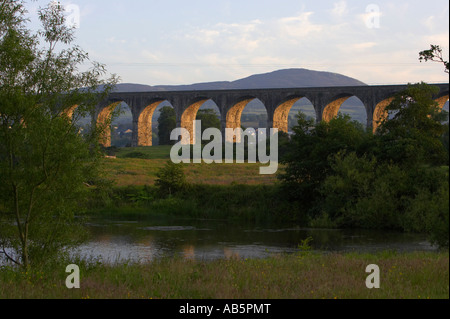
x: 114, y: 241
x: 189, y: 252
x: 230, y: 254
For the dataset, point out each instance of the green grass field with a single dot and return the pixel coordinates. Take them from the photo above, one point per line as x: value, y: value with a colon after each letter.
x: 139, y: 166
x: 298, y: 276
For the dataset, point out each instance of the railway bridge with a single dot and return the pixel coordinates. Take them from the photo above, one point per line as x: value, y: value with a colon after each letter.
x: 231, y: 103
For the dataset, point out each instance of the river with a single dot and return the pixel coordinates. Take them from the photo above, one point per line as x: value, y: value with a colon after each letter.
x: 140, y: 241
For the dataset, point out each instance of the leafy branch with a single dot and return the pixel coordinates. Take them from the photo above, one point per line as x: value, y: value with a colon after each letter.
x: 434, y: 54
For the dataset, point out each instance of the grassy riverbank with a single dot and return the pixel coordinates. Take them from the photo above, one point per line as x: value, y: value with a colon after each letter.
x: 300, y: 276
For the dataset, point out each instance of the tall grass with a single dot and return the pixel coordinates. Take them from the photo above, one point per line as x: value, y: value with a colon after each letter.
x: 296, y: 276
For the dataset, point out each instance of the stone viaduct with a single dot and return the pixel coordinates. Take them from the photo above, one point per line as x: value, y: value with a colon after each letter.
x: 231, y: 103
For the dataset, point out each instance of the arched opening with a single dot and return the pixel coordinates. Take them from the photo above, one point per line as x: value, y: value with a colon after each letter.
x: 305, y: 106
x: 250, y: 112
x: 209, y: 115
x: 285, y: 116
x: 116, y: 130
x: 164, y: 120
x: 254, y: 115
x: 346, y: 104
x: 188, y: 120
x: 355, y: 108
x: 122, y: 127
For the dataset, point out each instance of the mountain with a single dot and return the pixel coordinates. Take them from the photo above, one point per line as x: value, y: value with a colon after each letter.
x: 288, y: 78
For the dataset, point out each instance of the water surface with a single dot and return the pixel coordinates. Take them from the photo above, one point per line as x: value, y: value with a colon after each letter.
x: 119, y: 240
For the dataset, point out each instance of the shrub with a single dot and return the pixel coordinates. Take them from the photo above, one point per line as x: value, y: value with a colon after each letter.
x: 170, y: 179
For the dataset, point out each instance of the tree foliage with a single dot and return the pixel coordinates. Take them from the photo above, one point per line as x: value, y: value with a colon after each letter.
x: 166, y: 124
x: 413, y: 134
x: 397, y: 178
x: 209, y: 119
x: 306, y: 160
x: 46, y: 166
x: 434, y: 54
x: 170, y: 179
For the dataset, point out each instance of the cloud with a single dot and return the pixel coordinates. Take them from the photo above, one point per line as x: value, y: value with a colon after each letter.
x: 298, y: 26
x: 254, y: 36
x: 241, y: 37
x: 429, y: 23
x: 340, y: 9
x: 203, y: 36
x: 263, y: 45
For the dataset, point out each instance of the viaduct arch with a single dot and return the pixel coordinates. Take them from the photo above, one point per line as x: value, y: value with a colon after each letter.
x: 231, y: 103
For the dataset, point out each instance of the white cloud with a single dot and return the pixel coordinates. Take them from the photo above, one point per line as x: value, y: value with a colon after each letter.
x: 290, y: 41
x: 298, y: 26
x: 253, y: 37
x: 429, y: 23
x: 229, y: 37
x: 204, y: 36
x: 340, y: 9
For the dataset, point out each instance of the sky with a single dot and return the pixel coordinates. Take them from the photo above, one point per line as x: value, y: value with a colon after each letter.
x: 173, y: 42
